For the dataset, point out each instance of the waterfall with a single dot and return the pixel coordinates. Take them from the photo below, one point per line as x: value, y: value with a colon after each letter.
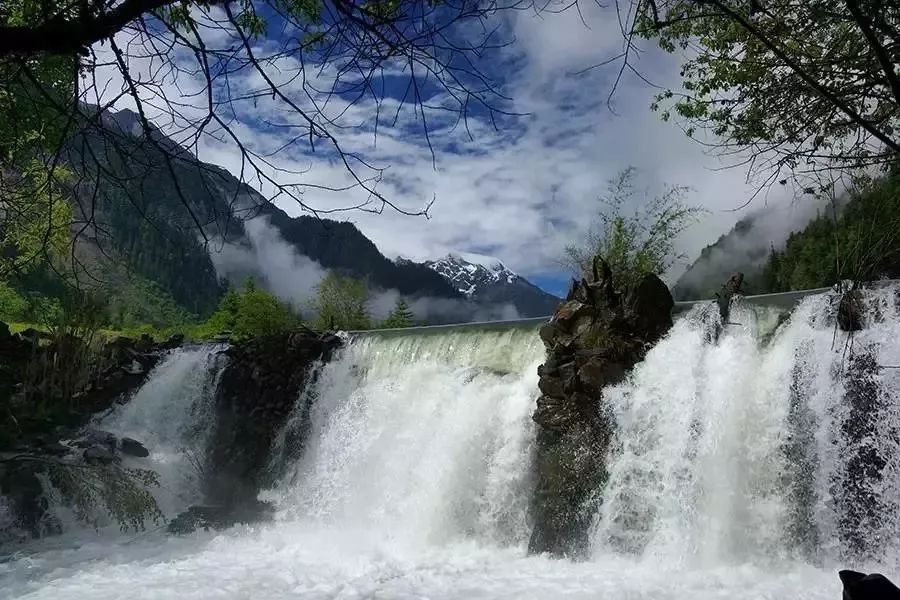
x: 752, y: 467
x: 750, y: 449
x: 422, y: 438
x: 172, y: 415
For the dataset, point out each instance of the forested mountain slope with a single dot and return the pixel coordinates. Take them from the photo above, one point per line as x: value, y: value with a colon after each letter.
x: 163, y: 218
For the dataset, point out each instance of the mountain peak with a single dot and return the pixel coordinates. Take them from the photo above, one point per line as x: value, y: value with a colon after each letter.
x: 470, y: 273
x: 485, y: 279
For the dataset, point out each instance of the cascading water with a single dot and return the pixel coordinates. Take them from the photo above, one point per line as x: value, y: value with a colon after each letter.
x: 751, y: 467
x: 422, y: 439
x: 172, y: 415
x: 745, y: 451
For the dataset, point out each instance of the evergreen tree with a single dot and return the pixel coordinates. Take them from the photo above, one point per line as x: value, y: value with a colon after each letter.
x: 249, y: 313
x: 401, y: 316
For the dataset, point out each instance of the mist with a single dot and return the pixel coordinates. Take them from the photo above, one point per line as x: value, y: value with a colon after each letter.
x: 293, y: 278
x: 748, y: 244
x: 440, y: 310
x: 272, y: 262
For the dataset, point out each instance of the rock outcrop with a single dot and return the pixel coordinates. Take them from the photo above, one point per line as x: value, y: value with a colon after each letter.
x: 255, y: 396
x: 851, y: 310
x: 50, y: 387
x: 53, y: 372
x: 860, y: 586
x: 220, y: 517
x: 592, y: 341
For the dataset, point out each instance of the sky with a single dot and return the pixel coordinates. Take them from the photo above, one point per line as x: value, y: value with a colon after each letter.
x: 519, y: 188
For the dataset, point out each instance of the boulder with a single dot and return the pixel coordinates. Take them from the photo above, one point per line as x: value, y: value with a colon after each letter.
x: 97, y: 437
x: 133, y: 447
x: 651, y: 307
x: 174, y: 341
x: 875, y: 586
x: 99, y: 455
x: 593, y: 340
x: 730, y: 288
x: 220, y: 517
x: 597, y: 372
x: 568, y: 311
x: 850, y: 311
x: 25, y: 495
x: 135, y: 368
x: 55, y: 449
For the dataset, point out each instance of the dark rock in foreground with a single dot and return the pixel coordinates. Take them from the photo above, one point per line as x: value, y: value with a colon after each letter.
x: 255, y: 396
x: 593, y: 341
x: 220, y: 517
x: 850, y: 311
x: 99, y: 454
x: 859, y: 586
x: 133, y: 447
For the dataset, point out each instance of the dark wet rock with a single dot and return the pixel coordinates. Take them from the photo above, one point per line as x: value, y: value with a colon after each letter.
x: 875, y: 586
x: 174, y: 341
x: 730, y: 288
x: 650, y: 309
x: 256, y: 395
x: 25, y: 496
x: 99, y: 454
x: 97, y: 437
x: 857, y: 491
x: 551, y: 386
x: 220, y: 517
x: 850, y: 311
x: 132, y: 447
x: 135, y: 368
x: 598, y: 371
x: 593, y: 341
x: 56, y: 449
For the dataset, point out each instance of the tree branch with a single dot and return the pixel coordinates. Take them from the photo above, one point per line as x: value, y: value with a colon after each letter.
x: 806, y: 77
x: 880, y: 53
x: 61, y: 34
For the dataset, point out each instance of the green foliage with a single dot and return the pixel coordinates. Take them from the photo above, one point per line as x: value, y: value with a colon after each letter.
x: 249, y: 313
x: 34, y: 218
x: 772, y: 76
x: 140, y: 302
x: 12, y: 304
x: 73, y: 355
x: 401, y: 316
x: 149, y: 227
x: 633, y: 244
x: 863, y: 243
x: 340, y: 304
x: 123, y: 494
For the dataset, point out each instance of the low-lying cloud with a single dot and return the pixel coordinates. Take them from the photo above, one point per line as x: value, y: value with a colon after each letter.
x: 276, y: 265
x: 441, y: 310
x: 293, y: 278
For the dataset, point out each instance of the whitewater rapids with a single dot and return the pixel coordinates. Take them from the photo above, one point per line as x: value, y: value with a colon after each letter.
x: 725, y: 480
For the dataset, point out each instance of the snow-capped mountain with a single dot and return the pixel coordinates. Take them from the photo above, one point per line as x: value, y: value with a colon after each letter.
x: 486, y: 279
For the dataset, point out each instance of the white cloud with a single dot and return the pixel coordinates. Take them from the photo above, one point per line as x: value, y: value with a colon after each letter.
x: 519, y: 194
x: 292, y: 277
